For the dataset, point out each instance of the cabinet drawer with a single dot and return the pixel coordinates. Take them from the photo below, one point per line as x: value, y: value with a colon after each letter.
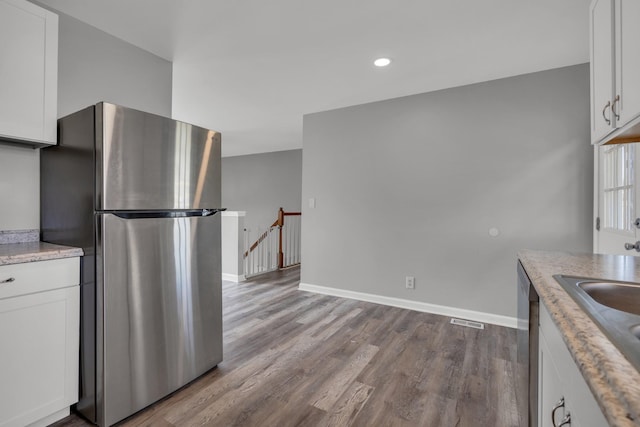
x: 31, y: 277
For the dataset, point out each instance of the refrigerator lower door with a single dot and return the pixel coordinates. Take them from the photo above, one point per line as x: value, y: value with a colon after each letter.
x: 159, y: 309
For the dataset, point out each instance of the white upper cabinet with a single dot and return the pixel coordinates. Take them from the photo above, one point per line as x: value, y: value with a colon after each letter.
x: 28, y: 72
x: 615, y: 71
x: 627, y: 14
x: 602, y: 61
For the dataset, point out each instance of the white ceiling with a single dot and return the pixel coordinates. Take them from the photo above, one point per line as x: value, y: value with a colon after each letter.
x: 252, y: 68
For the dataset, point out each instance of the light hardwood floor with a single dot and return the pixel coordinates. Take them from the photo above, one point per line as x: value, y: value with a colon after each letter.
x: 294, y: 358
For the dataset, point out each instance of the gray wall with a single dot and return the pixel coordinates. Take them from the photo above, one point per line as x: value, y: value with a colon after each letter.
x: 411, y: 186
x: 19, y: 188
x: 260, y: 184
x: 92, y: 66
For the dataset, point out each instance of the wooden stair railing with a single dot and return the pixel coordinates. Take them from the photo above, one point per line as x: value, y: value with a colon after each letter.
x: 260, y: 239
x: 281, y: 259
x: 288, y: 239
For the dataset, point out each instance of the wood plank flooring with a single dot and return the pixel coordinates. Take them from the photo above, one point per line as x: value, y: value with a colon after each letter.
x: 294, y: 358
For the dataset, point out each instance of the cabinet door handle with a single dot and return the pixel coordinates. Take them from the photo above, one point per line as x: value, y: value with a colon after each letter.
x: 557, y: 406
x: 566, y: 420
x: 9, y: 280
x: 630, y: 246
x: 603, y: 111
x: 613, y: 107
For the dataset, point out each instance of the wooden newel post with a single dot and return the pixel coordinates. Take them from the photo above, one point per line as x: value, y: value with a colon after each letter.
x: 280, y: 225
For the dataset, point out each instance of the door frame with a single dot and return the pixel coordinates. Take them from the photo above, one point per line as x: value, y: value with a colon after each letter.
x: 596, y: 198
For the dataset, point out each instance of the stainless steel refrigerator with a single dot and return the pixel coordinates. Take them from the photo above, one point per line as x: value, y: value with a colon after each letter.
x: 140, y: 194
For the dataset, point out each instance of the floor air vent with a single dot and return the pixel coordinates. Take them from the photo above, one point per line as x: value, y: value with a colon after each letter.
x: 467, y: 323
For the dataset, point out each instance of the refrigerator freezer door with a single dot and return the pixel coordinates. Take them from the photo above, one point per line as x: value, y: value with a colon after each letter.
x: 147, y: 162
x: 159, y: 305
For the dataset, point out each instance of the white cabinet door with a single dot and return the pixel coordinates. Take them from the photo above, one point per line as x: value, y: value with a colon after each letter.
x: 550, y: 389
x: 39, y: 368
x: 28, y: 71
x: 627, y: 59
x: 602, y: 73
x: 585, y: 411
x: 560, y: 378
x: 615, y: 70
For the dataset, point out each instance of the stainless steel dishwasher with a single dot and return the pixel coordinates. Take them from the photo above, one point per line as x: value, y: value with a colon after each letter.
x: 527, y: 377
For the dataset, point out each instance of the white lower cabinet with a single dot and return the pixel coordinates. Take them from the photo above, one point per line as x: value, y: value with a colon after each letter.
x: 39, y: 336
x: 549, y: 387
x: 564, y: 398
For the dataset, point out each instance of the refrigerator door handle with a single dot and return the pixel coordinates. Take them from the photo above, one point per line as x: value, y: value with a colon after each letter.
x: 164, y: 214
x: 209, y: 212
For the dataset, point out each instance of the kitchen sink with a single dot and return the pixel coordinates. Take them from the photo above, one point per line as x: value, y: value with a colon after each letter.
x: 621, y: 296
x: 614, y: 306
x: 635, y: 330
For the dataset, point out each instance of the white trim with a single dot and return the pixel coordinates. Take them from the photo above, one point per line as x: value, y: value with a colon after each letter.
x: 478, y: 316
x: 236, y: 278
x: 50, y: 419
x: 596, y: 198
x: 234, y: 213
x: 523, y: 324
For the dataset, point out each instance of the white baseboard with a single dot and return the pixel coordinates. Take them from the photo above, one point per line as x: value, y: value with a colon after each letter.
x: 50, y: 419
x: 478, y: 316
x: 236, y: 278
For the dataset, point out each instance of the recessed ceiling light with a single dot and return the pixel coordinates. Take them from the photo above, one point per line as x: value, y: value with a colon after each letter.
x: 382, y: 62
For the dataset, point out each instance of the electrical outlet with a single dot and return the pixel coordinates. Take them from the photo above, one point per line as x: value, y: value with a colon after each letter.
x: 410, y: 282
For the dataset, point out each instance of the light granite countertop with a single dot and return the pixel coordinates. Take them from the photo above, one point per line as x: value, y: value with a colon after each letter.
x: 614, y: 382
x: 15, y: 253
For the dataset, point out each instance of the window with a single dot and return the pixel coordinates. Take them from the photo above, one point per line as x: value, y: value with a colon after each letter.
x: 618, y: 187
